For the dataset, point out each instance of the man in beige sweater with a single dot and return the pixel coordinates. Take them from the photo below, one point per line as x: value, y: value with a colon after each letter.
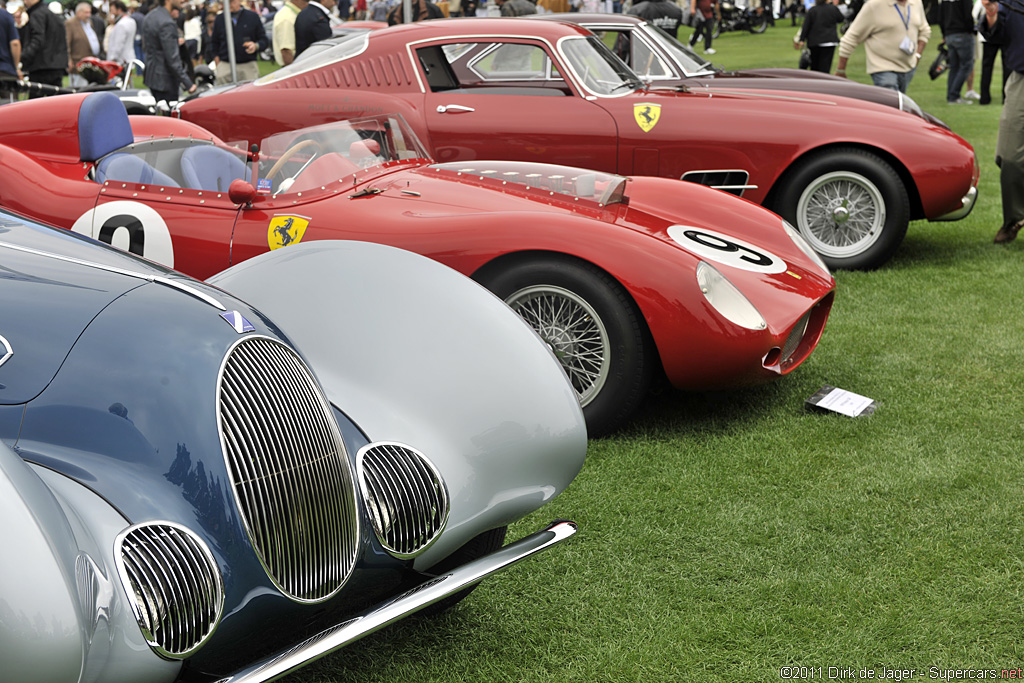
x: 894, y: 34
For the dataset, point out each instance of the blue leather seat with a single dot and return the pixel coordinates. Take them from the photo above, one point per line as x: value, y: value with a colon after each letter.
x: 132, y: 169
x: 211, y: 168
x: 103, y: 126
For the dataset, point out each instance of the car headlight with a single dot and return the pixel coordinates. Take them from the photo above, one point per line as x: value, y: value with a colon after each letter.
x: 725, y: 298
x: 803, y: 245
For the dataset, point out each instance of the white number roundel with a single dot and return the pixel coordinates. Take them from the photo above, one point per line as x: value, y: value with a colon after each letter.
x: 716, y: 246
x: 131, y: 226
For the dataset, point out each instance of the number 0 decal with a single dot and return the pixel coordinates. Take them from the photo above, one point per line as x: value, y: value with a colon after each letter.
x: 131, y: 226
x: 721, y: 248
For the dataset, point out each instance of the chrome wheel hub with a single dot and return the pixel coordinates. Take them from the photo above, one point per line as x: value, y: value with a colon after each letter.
x: 572, y: 329
x: 841, y: 214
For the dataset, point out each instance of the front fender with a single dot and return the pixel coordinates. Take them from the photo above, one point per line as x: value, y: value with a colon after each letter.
x: 414, y: 352
x: 42, y: 637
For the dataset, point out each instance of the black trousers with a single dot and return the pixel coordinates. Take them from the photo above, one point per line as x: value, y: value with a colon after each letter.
x: 988, y: 62
x: 821, y: 58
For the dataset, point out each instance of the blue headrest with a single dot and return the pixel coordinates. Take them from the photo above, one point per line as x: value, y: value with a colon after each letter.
x: 102, y: 126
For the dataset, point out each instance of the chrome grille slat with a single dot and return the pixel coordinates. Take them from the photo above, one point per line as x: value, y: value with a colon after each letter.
x: 289, y: 469
x: 796, y: 336
x: 405, y: 497
x: 174, y: 585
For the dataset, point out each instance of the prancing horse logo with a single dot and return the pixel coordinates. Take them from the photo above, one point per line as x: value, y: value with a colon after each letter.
x: 285, y: 230
x: 646, y: 115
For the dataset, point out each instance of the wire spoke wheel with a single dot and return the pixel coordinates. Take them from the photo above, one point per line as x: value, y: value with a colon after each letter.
x: 592, y: 326
x: 849, y: 203
x: 843, y: 213
x: 573, y: 330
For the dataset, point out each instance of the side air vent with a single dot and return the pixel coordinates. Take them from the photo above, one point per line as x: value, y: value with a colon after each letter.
x: 290, y: 472
x: 173, y: 584
x: 405, y: 497
x: 731, y: 181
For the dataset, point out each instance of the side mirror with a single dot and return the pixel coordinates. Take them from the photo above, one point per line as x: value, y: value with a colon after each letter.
x: 241, y: 192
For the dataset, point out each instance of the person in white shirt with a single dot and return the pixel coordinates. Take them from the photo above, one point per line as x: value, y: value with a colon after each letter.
x: 121, y: 37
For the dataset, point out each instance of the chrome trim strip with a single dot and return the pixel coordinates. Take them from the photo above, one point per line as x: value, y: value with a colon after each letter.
x: 764, y: 94
x: 414, y: 600
x: 160, y: 279
x: 8, y: 351
x: 968, y: 202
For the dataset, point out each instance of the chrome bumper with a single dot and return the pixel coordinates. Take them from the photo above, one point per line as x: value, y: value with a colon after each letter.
x: 968, y: 203
x: 424, y: 595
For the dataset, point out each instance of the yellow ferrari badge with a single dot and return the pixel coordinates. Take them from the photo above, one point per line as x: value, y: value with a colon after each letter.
x: 646, y: 116
x: 285, y: 230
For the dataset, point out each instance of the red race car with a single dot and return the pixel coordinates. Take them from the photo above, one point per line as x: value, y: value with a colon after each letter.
x: 623, y: 277
x: 849, y: 173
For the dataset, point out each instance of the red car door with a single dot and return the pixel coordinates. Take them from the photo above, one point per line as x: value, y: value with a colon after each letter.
x: 184, y: 229
x: 507, y: 99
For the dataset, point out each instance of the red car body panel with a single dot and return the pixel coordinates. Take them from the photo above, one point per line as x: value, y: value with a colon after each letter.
x: 762, y: 132
x: 468, y: 222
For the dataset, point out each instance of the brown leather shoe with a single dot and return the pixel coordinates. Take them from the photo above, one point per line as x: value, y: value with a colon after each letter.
x: 1008, y: 233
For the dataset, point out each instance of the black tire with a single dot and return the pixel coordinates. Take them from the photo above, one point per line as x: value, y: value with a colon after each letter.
x: 717, y: 30
x: 477, y: 547
x: 849, y: 204
x: 758, y: 22
x: 602, y: 344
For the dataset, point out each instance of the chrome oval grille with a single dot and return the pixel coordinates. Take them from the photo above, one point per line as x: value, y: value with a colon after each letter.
x: 289, y: 469
x: 405, y: 497
x: 173, y: 585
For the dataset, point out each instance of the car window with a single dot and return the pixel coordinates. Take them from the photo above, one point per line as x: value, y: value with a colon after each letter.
x: 492, y: 68
x: 691, y: 63
x: 597, y: 67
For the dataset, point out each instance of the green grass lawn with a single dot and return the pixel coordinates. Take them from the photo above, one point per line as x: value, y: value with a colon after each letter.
x: 726, y: 535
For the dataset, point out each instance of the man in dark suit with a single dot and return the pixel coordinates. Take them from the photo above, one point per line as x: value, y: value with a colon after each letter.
x: 165, y: 74
x: 313, y: 24
x: 250, y: 39
x: 44, y: 47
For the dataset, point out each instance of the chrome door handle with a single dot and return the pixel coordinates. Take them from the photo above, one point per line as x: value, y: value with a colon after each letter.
x: 453, y: 108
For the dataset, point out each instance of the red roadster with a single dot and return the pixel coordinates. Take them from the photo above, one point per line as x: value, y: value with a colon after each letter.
x: 623, y: 277
x: 850, y: 174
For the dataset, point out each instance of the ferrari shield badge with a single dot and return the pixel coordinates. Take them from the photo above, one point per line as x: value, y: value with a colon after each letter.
x: 646, y: 116
x: 285, y: 230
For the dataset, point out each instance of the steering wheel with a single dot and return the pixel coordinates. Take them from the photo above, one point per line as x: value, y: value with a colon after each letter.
x: 289, y: 153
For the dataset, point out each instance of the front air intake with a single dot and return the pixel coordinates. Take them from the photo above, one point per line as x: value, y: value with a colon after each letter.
x: 173, y: 584
x: 405, y: 497
x: 290, y: 472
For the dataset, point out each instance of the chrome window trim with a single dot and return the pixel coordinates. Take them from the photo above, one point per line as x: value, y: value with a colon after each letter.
x: 410, y: 48
x: 578, y: 79
x: 493, y: 47
x: 169, y: 282
x: 635, y: 31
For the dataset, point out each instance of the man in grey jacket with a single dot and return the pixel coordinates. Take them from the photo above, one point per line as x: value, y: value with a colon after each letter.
x: 165, y: 74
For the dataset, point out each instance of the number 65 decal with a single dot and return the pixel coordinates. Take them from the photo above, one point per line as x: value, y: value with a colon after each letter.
x: 130, y: 226
x: 726, y: 249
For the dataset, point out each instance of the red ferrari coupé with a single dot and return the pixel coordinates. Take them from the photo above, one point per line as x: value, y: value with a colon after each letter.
x: 849, y: 173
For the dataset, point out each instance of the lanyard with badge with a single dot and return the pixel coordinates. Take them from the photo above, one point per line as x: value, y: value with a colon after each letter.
x: 906, y: 44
